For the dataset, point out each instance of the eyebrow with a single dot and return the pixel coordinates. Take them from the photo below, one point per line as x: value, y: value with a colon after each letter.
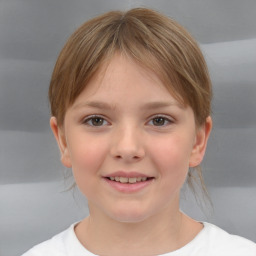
x: 160, y: 104
x: 147, y: 106
x: 95, y: 104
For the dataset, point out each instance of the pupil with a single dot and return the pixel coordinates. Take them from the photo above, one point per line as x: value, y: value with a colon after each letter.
x: 97, y: 121
x: 158, y: 121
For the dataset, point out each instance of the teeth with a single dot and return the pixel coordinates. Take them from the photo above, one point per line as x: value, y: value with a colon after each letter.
x: 132, y: 180
x: 128, y: 180
x: 124, y: 179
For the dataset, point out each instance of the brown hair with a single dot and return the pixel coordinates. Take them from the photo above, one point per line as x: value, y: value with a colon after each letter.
x: 151, y: 39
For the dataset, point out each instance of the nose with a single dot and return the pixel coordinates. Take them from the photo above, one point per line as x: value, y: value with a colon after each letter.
x: 127, y: 144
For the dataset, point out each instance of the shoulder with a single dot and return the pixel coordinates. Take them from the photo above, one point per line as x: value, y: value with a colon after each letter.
x: 54, y: 246
x: 221, y: 242
x: 63, y: 244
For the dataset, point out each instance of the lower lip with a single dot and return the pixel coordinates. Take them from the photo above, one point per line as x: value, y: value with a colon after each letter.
x: 128, y: 187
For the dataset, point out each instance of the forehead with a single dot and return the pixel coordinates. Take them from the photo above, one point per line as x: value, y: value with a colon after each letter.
x: 122, y: 76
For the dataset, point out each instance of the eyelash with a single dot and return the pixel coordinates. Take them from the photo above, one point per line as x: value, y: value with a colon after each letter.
x: 89, y: 121
x: 164, y: 118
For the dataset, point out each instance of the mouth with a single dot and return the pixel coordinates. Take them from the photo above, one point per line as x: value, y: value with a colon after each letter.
x: 129, y: 180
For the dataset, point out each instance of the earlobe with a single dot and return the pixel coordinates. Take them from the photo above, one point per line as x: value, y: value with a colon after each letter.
x: 200, y: 145
x: 61, y: 140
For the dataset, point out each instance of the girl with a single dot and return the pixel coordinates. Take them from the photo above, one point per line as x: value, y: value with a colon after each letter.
x: 130, y: 98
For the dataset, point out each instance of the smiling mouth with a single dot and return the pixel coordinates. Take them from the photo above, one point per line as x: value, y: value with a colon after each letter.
x: 130, y: 180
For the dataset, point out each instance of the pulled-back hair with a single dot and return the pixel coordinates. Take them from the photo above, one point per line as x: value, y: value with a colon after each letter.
x: 151, y: 39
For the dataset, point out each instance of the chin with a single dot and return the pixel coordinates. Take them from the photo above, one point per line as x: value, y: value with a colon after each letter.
x: 130, y: 215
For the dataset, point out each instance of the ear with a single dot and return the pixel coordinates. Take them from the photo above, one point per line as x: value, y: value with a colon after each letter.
x: 61, y: 140
x: 202, y: 136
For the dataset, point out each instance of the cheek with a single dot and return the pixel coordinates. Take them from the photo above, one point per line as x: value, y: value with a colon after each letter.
x: 87, y: 156
x: 173, y: 146
x: 172, y: 155
x: 172, y: 164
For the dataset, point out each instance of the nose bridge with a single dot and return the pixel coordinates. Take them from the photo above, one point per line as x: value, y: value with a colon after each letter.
x: 128, y: 142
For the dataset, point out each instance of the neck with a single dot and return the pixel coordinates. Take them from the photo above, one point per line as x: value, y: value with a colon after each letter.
x: 158, y: 234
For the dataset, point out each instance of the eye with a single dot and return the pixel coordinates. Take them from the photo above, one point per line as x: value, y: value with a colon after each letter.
x: 95, y: 121
x: 160, y: 121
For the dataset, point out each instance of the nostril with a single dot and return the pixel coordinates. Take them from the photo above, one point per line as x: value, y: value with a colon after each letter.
x: 129, y: 152
x: 126, y: 157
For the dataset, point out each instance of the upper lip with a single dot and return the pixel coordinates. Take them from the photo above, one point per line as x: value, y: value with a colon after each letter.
x: 127, y: 174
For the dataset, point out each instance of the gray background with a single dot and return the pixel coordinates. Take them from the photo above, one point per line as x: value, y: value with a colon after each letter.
x: 33, y: 203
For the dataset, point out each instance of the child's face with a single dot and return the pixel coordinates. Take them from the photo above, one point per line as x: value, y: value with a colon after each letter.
x: 126, y: 125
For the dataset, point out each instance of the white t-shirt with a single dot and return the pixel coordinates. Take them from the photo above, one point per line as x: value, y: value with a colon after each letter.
x: 211, y: 241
